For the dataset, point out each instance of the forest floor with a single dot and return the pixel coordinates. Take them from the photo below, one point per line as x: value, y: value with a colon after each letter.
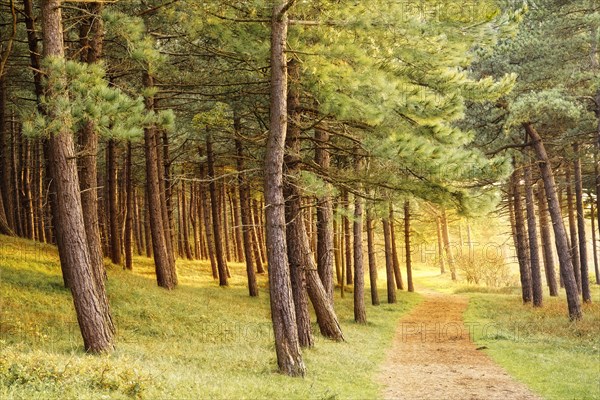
x: 434, y: 357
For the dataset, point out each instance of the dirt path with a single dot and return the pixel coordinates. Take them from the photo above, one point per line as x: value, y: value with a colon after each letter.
x: 433, y: 358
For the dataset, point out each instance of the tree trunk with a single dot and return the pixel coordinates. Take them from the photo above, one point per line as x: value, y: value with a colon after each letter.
x: 165, y: 269
x: 395, y: 258
x: 258, y: 226
x: 372, y: 257
x: 129, y: 209
x: 546, y: 241
x: 594, y: 243
x: 73, y: 247
x: 583, y: 262
x: 113, y: 204
x: 560, y: 235
x: 208, y: 228
x: 325, y: 251
x: 237, y: 219
x: 574, y: 248
x: 147, y: 229
x: 534, y: 255
x: 294, y: 215
x: 447, y: 248
x: 255, y: 239
x: 360, y: 314
x: 289, y: 356
x: 245, y: 216
x: 409, y: 279
x: 347, y: 237
x: 186, y: 230
x: 389, y: 264
x: 522, y: 253
x: 440, y: 245
x: 337, y: 249
x: 214, y: 208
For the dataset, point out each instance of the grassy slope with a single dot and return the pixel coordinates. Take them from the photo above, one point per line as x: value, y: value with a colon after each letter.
x: 197, y: 341
x: 540, y: 347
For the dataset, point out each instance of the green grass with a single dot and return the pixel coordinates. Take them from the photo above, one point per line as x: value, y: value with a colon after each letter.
x: 198, y: 341
x: 540, y: 347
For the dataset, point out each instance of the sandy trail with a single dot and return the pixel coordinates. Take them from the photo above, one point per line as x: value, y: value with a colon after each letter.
x: 432, y: 357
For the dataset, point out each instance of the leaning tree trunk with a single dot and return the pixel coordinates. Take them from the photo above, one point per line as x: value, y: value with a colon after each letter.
x: 294, y: 216
x: 287, y: 347
x: 409, y: 279
x: 325, y: 255
x: 372, y: 257
x: 522, y: 253
x: 165, y: 270
x: 546, y: 241
x: 534, y: 255
x: 73, y: 247
x: 583, y: 262
x: 560, y: 235
x: 389, y: 264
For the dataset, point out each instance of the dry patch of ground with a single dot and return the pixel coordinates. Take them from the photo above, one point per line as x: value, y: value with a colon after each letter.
x: 433, y: 357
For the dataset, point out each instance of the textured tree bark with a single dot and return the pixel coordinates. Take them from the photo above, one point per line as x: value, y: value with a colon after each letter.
x: 5, y: 217
x: 238, y: 226
x: 214, y: 209
x: 294, y: 215
x: 165, y: 269
x: 360, y: 313
x: 255, y: 241
x: 372, y: 257
x: 245, y: 216
x: 560, y: 235
x: 337, y: 250
x: 147, y: 229
x: 583, y: 263
x: 129, y: 209
x: 389, y: 264
x: 447, y: 247
x: 256, y: 215
x: 73, y: 247
x: 440, y: 244
x: 325, y: 252
x: 594, y: 244
x: 347, y: 236
x: 186, y: 230
x: 395, y: 258
x: 534, y: 255
x: 573, y: 242
x: 138, y: 230
x: 289, y: 356
x: 409, y: 279
x: 208, y: 229
x: 546, y: 241
x: 522, y: 253
x: 113, y: 204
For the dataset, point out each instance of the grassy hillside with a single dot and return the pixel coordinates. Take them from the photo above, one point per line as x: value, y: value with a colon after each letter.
x: 198, y: 341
